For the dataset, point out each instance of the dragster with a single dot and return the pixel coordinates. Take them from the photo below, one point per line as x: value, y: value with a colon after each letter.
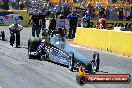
x: 59, y: 51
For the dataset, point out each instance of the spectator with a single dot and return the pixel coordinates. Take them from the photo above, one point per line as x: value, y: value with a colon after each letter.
x: 17, y: 4
x: 73, y: 20
x: 116, y: 13
x: 61, y: 16
x: 83, y: 9
x: 13, y: 4
x: 86, y: 20
x: 6, y: 4
x: 131, y: 13
x: 43, y: 20
x: 101, y: 12
x: 120, y: 9
x: 90, y: 9
x: 98, y: 4
x: 107, y: 9
x: 73, y: 7
x: 113, y: 13
x: 21, y: 5
x: 61, y: 23
x: 66, y: 9
x: 128, y: 14
x: 58, y: 9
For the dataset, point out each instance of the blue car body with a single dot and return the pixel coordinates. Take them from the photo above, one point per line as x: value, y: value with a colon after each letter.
x: 60, y: 50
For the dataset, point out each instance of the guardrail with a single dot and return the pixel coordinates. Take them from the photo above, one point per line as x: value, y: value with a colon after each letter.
x: 115, y: 41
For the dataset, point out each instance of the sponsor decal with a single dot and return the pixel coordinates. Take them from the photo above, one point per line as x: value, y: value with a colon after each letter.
x: 112, y: 24
x: 103, y: 78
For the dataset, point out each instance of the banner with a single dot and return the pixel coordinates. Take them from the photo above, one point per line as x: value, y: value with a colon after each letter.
x: 111, y: 24
x: 8, y: 17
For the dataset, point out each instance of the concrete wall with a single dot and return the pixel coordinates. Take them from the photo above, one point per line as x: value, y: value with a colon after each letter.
x: 116, y: 41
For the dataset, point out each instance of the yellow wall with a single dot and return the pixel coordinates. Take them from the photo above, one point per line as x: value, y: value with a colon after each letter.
x: 116, y: 41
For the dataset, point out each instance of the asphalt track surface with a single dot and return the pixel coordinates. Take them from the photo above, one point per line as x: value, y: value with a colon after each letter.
x: 17, y: 71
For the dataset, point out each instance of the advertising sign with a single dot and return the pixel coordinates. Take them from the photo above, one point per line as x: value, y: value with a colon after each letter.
x: 8, y: 18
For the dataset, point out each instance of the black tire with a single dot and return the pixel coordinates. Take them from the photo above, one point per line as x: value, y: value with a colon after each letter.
x: 80, y: 79
x: 97, y: 61
x: 33, y: 44
x: 45, y: 56
x: 72, y: 61
x: 3, y: 35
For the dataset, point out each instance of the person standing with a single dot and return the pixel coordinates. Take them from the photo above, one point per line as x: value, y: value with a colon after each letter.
x: 52, y: 25
x: 101, y: 12
x: 107, y: 9
x: 43, y: 22
x: 73, y: 20
x: 35, y: 23
x: 61, y: 20
x: 120, y: 12
x: 15, y: 29
x: 86, y: 20
x: 6, y: 4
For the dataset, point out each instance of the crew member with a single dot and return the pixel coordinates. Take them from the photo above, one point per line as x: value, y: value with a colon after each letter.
x: 61, y: 20
x: 101, y: 24
x: 35, y: 23
x: 43, y: 22
x: 52, y: 25
x: 61, y: 24
x: 73, y: 20
x: 15, y: 29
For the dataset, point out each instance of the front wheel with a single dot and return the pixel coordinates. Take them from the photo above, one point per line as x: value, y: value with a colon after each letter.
x: 33, y: 44
x: 96, y: 61
x: 80, y: 79
x: 45, y: 56
x: 72, y: 61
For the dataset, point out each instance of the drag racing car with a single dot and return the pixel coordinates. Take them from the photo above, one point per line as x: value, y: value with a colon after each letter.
x: 59, y: 51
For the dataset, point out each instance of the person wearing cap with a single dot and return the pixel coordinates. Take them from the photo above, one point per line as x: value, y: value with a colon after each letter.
x: 15, y: 29
x: 73, y: 20
x: 35, y: 23
x: 86, y: 20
